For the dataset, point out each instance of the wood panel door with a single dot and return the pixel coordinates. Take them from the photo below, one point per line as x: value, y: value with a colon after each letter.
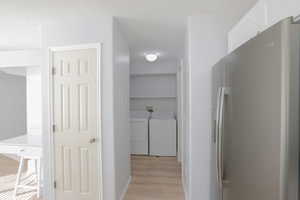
x: 75, y: 119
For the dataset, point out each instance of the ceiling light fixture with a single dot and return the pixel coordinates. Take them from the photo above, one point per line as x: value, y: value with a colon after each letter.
x: 151, y: 57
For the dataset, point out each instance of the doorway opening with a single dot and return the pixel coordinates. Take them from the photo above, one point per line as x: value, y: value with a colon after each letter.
x: 21, y: 137
x: 156, y: 108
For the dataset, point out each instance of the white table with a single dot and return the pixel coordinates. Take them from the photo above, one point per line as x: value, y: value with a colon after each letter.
x: 26, y: 143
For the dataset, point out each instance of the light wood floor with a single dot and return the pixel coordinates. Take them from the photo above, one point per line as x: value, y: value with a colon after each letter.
x: 8, y: 170
x: 155, y: 178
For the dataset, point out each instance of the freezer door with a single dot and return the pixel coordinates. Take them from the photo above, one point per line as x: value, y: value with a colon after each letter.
x: 257, y: 113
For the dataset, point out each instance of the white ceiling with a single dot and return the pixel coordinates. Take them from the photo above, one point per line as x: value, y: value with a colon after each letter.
x: 151, y: 36
x: 157, y: 25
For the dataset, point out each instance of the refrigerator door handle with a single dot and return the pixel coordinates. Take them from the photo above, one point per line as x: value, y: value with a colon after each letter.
x: 219, y: 138
x: 217, y: 134
x: 222, y: 93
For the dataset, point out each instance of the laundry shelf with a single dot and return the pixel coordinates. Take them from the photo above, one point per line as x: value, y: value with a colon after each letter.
x: 153, y: 74
x: 158, y: 97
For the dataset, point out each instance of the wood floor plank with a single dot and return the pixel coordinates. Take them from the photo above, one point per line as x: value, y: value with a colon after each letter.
x: 8, y: 170
x: 155, y: 178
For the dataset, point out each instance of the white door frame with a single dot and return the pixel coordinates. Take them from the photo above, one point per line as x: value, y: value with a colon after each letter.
x: 51, y: 50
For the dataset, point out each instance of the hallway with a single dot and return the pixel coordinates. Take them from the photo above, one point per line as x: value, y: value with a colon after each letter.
x: 155, y: 178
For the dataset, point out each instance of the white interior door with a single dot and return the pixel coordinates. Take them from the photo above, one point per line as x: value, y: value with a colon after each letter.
x: 75, y: 119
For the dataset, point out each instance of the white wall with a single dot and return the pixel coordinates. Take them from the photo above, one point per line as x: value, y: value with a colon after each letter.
x: 180, y: 105
x: 249, y: 26
x: 19, y: 35
x: 153, y: 86
x: 20, y: 45
x: 158, y: 67
x: 264, y: 14
x: 33, y: 89
x: 279, y: 9
x: 33, y: 85
x: 34, y: 100
x: 121, y: 111
x: 20, y: 58
x: 207, y: 43
x: 82, y: 31
x: 12, y: 105
x: 186, y: 118
x: 158, y: 82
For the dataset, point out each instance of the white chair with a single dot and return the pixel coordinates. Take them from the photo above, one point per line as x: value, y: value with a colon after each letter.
x: 34, y: 155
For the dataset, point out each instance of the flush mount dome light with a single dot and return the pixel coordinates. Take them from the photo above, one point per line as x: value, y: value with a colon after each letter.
x: 151, y: 57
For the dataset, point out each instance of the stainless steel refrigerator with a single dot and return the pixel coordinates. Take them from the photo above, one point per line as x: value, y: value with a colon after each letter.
x: 255, y: 98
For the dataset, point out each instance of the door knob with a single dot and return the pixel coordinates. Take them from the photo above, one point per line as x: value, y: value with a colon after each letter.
x: 93, y: 140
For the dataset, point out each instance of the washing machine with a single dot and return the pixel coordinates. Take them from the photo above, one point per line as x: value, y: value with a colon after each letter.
x: 139, y: 129
x: 163, y: 134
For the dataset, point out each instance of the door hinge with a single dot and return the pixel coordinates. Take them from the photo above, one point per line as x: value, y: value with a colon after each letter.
x: 53, y: 71
x: 53, y: 128
x: 54, y: 184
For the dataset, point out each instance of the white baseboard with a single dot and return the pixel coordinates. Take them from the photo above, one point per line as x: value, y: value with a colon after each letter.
x: 186, y: 196
x: 125, y: 189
